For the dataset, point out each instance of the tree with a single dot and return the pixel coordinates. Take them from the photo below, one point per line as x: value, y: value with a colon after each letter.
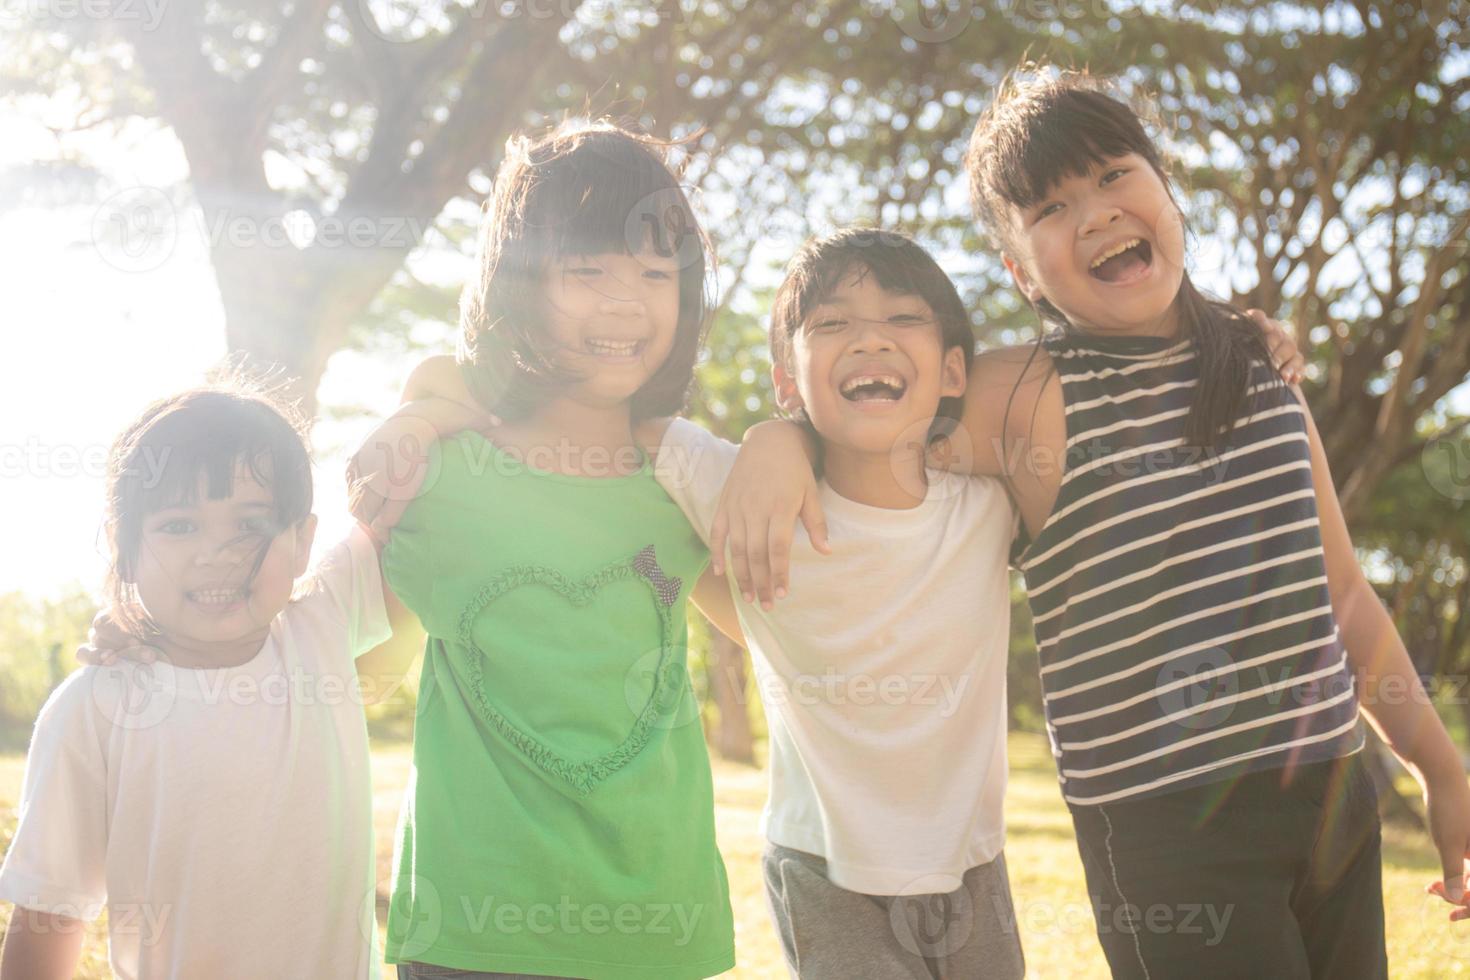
x: 1319, y: 147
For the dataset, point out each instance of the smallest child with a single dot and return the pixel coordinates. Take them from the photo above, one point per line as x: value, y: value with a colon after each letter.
x: 216, y: 803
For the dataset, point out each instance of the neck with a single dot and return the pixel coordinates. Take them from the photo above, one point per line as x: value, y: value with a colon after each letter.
x: 895, y: 481
x: 575, y: 438
x: 198, y: 655
x: 1165, y: 325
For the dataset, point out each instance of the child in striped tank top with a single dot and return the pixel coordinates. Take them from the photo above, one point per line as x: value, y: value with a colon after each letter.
x: 1205, y: 634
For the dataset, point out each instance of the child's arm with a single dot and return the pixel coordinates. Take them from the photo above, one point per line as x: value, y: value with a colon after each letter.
x: 1389, y: 689
x: 41, y: 946
x: 380, y: 671
x: 770, y: 488
x: 711, y: 596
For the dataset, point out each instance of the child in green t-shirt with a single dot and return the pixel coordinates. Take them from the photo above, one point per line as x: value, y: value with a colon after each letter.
x: 560, y: 814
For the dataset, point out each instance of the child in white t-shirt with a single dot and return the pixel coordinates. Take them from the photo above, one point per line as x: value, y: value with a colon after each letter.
x: 217, y: 802
x: 883, y: 676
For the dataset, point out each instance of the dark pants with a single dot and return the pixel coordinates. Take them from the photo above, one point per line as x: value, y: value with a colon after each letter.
x: 1252, y: 877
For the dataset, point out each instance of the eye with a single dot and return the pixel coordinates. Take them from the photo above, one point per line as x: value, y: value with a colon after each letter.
x: 1048, y: 209
x: 177, y: 526
x: 584, y: 271
x: 257, y: 525
x: 1113, y: 175
x: 828, y: 324
x: 658, y: 275
x: 907, y: 319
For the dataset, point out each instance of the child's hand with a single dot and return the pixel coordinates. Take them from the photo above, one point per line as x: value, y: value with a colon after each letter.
x: 1447, y: 803
x: 770, y: 486
x: 387, y: 472
x: 106, y: 641
x: 1285, y: 354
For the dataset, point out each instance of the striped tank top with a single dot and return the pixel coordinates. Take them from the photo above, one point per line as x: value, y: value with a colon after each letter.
x: 1183, y: 622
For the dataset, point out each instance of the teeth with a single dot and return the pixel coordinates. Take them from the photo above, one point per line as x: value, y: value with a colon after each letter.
x: 1117, y: 249
x: 891, y: 380
x: 621, y: 348
x: 216, y: 597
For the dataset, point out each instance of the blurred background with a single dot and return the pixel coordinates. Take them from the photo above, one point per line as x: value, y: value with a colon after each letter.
x: 296, y: 182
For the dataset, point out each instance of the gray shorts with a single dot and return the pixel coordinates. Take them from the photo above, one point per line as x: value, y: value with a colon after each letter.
x: 830, y: 933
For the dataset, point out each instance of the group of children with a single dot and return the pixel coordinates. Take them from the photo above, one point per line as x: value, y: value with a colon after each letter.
x: 1145, y: 464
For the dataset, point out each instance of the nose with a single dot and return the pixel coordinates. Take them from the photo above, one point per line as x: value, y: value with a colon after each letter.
x: 620, y: 305
x: 870, y: 336
x: 220, y: 550
x: 619, y: 297
x: 1099, y: 217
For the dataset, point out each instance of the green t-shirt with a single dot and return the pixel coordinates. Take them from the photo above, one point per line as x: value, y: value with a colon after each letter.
x: 560, y: 814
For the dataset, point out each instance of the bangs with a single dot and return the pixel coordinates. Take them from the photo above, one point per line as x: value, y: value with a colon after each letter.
x: 595, y: 193
x: 203, y: 442
x: 1039, y: 141
x: 897, y: 265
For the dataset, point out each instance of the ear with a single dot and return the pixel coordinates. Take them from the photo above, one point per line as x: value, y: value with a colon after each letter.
x: 952, y: 378
x: 305, y: 535
x: 788, y: 397
x: 1023, y: 280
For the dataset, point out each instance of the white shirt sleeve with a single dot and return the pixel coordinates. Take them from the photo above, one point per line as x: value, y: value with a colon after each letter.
x: 692, y: 466
x: 352, y: 581
x: 57, y: 862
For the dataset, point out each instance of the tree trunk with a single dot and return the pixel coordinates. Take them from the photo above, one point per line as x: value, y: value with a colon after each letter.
x: 732, y: 737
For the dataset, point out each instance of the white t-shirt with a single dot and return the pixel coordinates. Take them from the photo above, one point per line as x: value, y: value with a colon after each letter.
x: 223, y: 817
x: 883, y: 676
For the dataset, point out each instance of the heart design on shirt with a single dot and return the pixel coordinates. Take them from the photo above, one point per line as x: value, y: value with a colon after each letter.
x: 668, y: 679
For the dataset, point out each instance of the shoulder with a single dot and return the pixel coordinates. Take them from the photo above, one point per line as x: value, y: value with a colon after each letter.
x: 1021, y: 369
x: 1010, y: 384
x: 689, y: 448
x: 436, y: 376
x: 973, y: 497
x: 92, y: 698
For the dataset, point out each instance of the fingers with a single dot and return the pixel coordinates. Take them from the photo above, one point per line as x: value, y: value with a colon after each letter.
x: 815, y: 522
x: 758, y: 557
x: 778, y: 553
x: 94, y: 656
x: 1286, y: 355
x: 719, y: 534
x: 1295, y: 369
x: 739, y: 562
x: 105, y: 633
x: 1457, y: 914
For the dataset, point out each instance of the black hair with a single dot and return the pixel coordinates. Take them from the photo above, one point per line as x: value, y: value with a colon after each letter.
x: 899, y: 265
x: 201, y: 435
x: 578, y: 190
x: 1043, y: 127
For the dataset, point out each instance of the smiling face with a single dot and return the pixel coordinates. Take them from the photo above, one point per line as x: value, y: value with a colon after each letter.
x: 195, y: 559
x: 613, y: 318
x: 868, y: 366
x: 1105, y: 247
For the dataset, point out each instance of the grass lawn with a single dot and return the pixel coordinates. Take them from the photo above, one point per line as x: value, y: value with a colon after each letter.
x: 1046, y: 875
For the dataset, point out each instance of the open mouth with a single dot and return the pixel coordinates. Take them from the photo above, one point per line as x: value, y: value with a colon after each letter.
x: 1123, y: 262
x: 217, y: 598
x: 874, y: 387
x: 601, y: 347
